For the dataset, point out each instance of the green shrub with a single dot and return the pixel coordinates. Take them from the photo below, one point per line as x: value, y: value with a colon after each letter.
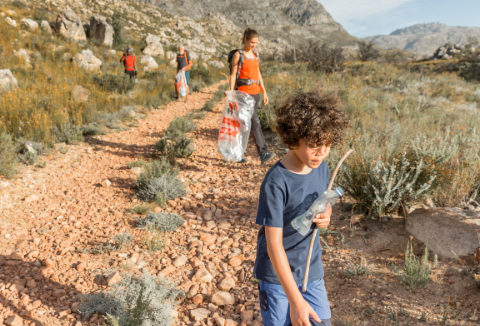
x: 154, y: 169
x: 122, y: 240
x: 163, y: 188
x: 8, y: 155
x: 416, y: 272
x: 120, y: 82
x: 140, y: 163
x: 208, y: 106
x: 161, y: 221
x: 68, y: 134
x: 176, y: 147
x: 117, y: 25
x: 92, y: 130
x: 154, y: 299
x: 179, y: 126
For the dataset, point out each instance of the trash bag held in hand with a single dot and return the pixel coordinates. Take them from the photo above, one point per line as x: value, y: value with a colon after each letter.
x: 236, y: 125
x: 181, y: 83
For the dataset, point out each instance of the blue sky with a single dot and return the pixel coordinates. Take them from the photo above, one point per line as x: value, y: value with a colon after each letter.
x: 374, y: 17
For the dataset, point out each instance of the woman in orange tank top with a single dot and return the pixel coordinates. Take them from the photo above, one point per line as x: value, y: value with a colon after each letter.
x: 245, y: 76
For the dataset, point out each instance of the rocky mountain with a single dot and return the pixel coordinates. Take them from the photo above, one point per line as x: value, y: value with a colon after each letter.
x: 278, y: 20
x: 425, y: 38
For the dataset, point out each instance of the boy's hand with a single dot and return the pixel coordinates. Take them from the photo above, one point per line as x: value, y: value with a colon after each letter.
x: 323, y: 220
x: 300, y: 313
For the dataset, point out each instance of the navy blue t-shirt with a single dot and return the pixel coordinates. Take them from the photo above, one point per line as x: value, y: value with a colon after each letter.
x: 285, y: 195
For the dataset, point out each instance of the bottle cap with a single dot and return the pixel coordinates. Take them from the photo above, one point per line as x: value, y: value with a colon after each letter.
x: 339, y: 191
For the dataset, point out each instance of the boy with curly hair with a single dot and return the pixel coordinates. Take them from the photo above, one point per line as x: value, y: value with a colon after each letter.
x: 309, y: 124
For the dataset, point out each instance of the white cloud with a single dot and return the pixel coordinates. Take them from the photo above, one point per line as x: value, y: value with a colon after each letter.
x: 348, y: 10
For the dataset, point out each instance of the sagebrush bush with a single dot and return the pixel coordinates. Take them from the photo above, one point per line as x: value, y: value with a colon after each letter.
x: 163, y: 188
x: 152, y: 170
x: 179, y: 126
x: 68, y: 134
x: 157, y: 296
x: 416, y: 272
x: 161, y: 221
x: 175, y: 147
x: 8, y: 155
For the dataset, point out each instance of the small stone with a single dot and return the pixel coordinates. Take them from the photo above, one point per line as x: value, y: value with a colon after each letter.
x: 193, y: 291
x: 136, y: 170
x: 81, y: 266
x: 243, y: 211
x: 14, y: 321
x: 15, y: 256
x: 36, y: 304
x: 230, y: 322
x: 202, y: 276
x: 247, y: 316
x: 180, y: 261
x: 226, y: 284
x: 106, y: 183
x: 31, y: 198
x: 199, y: 314
x: 223, y: 298
x: 59, y: 293
x: 167, y: 271
x: 235, y: 261
x: 220, y: 321
x: 197, y: 299
x: 113, y: 278
x: 31, y: 283
x: 208, y: 239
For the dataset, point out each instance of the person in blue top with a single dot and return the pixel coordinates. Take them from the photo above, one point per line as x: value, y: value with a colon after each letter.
x: 309, y: 124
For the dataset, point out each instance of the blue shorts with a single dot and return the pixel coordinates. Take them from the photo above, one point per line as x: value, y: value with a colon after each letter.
x: 275, y: 308
x: 187, y: 77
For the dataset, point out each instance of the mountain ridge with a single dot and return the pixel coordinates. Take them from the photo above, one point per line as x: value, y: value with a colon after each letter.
x: 291, y: 20
x: 425, y: 38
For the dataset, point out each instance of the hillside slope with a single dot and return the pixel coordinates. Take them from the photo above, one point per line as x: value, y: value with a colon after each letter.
x: 425, y: 38
x: 279, y: 20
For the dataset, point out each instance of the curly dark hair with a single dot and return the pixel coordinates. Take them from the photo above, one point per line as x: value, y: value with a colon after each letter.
x: 313, y: 116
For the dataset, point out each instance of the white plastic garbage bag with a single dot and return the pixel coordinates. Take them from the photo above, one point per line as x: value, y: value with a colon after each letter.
x: 236, y: 125
x: 181, y: 83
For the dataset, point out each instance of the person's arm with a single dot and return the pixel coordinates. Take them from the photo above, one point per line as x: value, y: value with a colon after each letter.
x: 233, y: 75
x: 300, y: 310
x: 262, y: 87
x: 123, y: 58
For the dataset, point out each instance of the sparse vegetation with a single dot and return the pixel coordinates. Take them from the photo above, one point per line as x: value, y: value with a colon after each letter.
x: 161, y: 221
x: 367, y: 52
x: 141, y: 209
x: 135, y: 300
x: 359, y: 270
x: 416, y: 271
x: 8, y: 155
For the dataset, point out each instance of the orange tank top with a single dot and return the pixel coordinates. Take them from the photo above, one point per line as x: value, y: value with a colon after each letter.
x: 250, y: 68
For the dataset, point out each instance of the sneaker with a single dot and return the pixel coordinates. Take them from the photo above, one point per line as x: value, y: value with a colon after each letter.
x: 265, y: 157
x: 243, y: 160
x: 186, y: 100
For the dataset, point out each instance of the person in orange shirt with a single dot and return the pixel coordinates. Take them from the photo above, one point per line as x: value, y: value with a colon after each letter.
x: 130, y: 63
x: 245, y: 76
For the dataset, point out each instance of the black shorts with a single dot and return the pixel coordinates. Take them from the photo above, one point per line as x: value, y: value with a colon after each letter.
x: 131, y: 73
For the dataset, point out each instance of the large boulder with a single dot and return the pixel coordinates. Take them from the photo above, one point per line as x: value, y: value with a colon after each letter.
x: 154, y: 46
x: 29, y: 23
x: 11, y: 22
x: 7, y: 80
x: 154, y: 49
x: 80, y: 94
x: 148, y: 62
x: 101, y: 29
x: 45, y: 27
x: 70, y: 26
x: 447, y: 232
x: 87, y: 60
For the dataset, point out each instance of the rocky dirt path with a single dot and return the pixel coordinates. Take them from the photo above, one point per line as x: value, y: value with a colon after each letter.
x: 50, y: 216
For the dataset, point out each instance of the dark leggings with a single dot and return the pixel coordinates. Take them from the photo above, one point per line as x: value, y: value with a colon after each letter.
x: 257, y: 133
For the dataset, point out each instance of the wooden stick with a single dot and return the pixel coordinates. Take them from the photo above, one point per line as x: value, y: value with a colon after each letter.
x: 315, y: 229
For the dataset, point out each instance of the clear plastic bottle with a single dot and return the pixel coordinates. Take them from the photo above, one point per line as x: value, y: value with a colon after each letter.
x: 326, y: 200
